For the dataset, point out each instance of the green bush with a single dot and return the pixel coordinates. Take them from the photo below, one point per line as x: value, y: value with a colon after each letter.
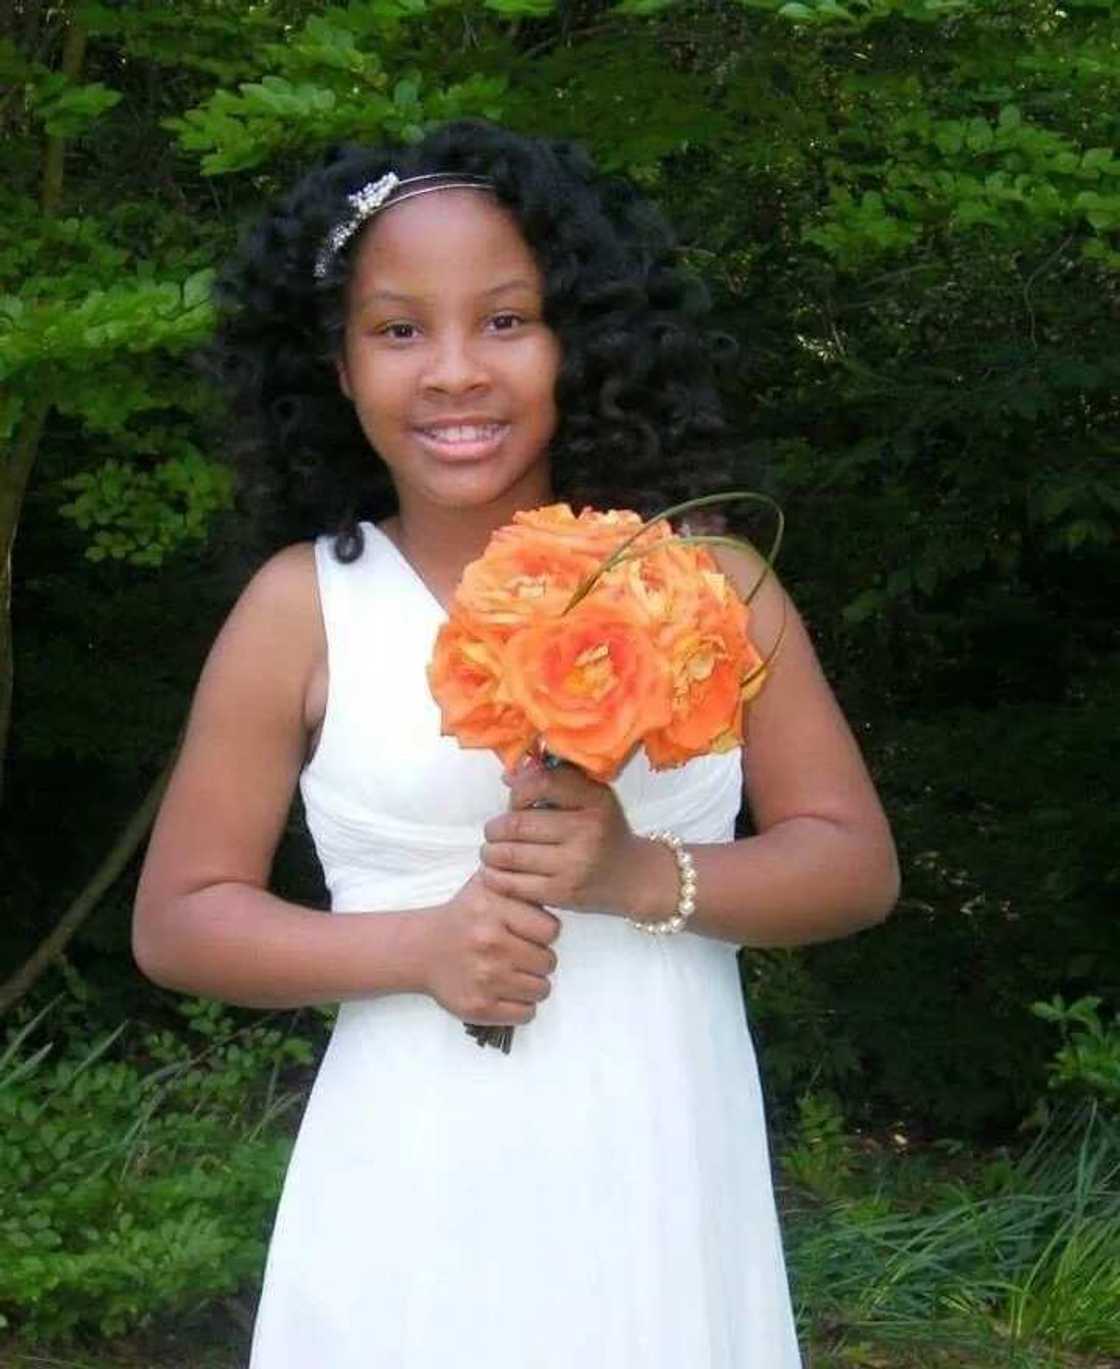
x: 1088, y: 1060
x: 1007, y: 837
x: 141, y: 1172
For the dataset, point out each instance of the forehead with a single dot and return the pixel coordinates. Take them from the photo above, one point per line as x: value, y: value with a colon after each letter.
x: 453, y: 239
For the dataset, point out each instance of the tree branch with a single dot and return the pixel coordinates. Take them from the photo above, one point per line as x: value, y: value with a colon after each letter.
x: 106, y: 874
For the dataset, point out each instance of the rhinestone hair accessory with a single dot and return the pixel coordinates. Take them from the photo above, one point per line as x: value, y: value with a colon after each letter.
x: 372, y: 196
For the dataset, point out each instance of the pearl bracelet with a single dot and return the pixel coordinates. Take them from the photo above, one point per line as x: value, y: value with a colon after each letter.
x: 686, y: 899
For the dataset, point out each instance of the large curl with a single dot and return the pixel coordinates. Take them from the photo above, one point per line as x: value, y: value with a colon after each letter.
x: 640, y: 421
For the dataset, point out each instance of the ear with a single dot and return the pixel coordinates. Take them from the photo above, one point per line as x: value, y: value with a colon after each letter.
x: 343, y: 376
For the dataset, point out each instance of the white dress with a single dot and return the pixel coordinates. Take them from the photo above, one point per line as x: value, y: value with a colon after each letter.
x: 600, y: 1198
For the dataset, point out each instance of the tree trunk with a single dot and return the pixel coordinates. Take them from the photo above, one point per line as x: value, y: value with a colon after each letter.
x: 110, y: 869
x: 73, y: 55
x: 14, y: 474
x: 16, y: 469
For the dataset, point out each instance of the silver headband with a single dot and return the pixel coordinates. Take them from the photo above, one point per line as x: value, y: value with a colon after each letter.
x: 375, y: 194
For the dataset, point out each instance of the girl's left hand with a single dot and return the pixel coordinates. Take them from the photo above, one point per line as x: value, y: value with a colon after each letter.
x: 578, y: 853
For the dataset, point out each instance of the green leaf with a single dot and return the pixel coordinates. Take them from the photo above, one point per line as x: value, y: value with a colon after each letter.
x: 978, y: 135
x: 1097, y: 159
x: 517, y: 8
x: 865, y: 605
x: 73, y: 110
x: 950, y: 139
x: 197, y: 289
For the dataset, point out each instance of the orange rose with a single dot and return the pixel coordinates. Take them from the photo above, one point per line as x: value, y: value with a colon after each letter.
x: 592, y: 683
x: 657, y: 652
x: 662, y: 582
x: 519, y: 580
x: 591, y: 534
x: 704, y: 639
x: 465, y: 677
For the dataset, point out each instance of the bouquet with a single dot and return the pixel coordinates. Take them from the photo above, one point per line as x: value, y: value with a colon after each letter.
x: 583, y: 637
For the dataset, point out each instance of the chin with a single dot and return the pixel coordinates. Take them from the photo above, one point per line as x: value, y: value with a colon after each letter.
x: 479, y: 490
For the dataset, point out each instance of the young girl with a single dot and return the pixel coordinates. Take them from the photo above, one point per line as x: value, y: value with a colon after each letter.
x: 434, y: 338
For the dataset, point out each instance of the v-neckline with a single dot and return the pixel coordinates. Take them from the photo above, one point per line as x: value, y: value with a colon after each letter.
x: 413, y: 574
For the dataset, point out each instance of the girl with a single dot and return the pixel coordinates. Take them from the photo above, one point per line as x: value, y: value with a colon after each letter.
x: 436, y: 337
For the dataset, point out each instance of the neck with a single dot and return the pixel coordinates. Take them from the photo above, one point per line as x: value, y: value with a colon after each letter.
x: 447, y: 536
x: 440, y: 541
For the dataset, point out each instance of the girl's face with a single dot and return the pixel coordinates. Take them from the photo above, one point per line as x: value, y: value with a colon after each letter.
x: 446, y: 356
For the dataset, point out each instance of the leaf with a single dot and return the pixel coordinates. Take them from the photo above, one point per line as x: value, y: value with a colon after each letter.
x: 517, y: 8
x: 1097, y: 159
x: 978, y: 135
x: 950, y: 139
x: 865, y: 605
x: 1087, y: 530
x: 72, y: 111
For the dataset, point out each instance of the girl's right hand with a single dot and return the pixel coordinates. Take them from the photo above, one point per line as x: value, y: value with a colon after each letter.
x: 490, y: 956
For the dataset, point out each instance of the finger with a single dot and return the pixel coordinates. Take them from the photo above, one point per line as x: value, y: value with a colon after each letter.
x: 505, y: 1012
x: 536, y: 926
x: 522, y: 888
x: 535, y: 960
x: 541, y: 827
x: 515, y: 1014
x: 565, y: 787
x: 519, y: 858
x: 508, y: 906
x: 526, y: 988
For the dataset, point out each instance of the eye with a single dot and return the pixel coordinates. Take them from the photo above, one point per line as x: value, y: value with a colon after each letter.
x: 398, y: 332
x: 506, y: 322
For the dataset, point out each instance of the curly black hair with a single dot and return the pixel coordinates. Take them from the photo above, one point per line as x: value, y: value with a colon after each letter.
x: 640, y: 419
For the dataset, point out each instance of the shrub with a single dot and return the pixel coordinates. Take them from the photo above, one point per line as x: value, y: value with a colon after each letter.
x: 140, y: 1173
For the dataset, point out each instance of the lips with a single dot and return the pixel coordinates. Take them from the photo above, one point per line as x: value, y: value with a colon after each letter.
x: 463, y: 440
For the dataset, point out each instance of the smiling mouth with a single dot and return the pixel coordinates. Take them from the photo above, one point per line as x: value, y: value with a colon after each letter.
x: 463, y: 440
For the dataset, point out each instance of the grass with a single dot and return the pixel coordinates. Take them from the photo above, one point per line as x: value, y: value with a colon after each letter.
x: 899, y: 1256
x: 1028, y: 1274
x: 914, y: 1262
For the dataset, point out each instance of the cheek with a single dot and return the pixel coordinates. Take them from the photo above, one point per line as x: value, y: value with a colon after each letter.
x: 546, y: 370
x: 375, y: 391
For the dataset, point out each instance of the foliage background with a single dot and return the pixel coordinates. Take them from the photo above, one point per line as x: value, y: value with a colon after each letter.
x: 908, y: 214
x: 907, y: 211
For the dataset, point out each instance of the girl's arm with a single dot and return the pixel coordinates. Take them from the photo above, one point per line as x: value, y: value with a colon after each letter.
x: 204, y: 920
x: 822, y: 865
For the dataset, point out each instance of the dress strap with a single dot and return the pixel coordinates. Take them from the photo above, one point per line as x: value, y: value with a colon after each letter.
x: 374, y: 608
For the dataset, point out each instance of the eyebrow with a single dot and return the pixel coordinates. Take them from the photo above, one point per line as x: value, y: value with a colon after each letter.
x: 393, y: 297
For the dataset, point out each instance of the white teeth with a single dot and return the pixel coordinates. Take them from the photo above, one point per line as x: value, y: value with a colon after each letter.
x: 465, y: 432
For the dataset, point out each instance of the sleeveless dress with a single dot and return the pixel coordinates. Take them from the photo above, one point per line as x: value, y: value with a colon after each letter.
x: 601, y: 1197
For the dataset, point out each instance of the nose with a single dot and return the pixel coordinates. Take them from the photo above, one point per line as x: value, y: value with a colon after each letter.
x: 455, y: 364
